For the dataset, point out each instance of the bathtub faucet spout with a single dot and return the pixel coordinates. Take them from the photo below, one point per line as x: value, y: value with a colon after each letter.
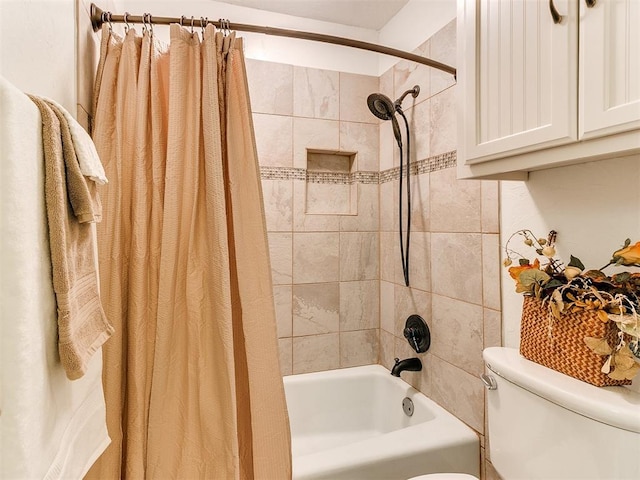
x: 409, y: 364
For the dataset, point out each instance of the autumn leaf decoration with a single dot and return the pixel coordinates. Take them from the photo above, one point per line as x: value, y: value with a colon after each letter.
x: 565, y: 288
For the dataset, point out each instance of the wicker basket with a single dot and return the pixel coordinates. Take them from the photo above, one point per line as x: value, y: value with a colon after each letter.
x: 564, y: 350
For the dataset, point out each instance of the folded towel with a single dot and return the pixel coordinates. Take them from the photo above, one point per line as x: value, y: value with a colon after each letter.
x: 83, y: 195
x: 88, y: 158
x: 82, y: 324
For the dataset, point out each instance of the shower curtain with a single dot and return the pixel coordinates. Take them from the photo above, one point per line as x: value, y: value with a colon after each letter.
x: 191, y: 377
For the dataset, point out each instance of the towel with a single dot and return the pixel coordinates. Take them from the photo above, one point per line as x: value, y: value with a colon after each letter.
x: 90, y: 164
x: 83, y: 195
x: 50, y: 428
x: 82, y: 324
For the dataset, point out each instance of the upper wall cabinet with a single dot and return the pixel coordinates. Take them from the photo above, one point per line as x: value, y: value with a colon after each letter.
x: 543, y: 84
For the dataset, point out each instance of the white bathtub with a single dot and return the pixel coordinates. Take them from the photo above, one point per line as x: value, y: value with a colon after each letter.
x: 350, y: 424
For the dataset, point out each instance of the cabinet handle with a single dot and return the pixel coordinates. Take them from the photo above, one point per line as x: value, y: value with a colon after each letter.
x: 590, y: 3
x: 557, y: 18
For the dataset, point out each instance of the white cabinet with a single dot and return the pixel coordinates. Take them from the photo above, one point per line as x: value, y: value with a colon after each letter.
x: 536, y: 94
x: 609, y: 67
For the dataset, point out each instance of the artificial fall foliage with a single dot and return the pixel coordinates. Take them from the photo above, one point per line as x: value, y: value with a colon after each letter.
x: 565, y: 288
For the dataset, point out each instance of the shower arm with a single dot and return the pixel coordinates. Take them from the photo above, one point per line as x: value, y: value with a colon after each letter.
x: 415, y: 91
x: 99, y: 16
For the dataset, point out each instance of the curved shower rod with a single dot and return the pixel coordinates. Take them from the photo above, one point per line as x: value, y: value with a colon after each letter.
x: 99, y: 16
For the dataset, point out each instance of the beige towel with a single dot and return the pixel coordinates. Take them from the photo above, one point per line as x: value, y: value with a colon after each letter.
x: 83, y: 194
x: 88, y: 158
x: 70, y: 203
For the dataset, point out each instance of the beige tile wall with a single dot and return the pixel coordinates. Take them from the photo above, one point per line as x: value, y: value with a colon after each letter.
x: 455, y: 283
x: 324, y: 266
x: 339, y: 290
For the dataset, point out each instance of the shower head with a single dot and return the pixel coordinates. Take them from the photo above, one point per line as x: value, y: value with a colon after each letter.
x: 383, y: 108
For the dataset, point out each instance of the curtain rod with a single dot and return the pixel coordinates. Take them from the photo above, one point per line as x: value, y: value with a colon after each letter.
x: 99, y: 16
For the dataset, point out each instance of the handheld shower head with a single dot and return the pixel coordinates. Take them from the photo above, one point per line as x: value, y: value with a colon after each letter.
x: 383, y: 108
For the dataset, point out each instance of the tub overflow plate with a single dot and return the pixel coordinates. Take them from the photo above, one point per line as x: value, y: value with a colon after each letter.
x: 407, y: 406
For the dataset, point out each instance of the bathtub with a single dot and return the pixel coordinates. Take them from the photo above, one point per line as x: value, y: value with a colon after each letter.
x: 350, y: 424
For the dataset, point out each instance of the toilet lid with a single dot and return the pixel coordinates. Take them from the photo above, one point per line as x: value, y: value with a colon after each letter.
x: 445, y: 476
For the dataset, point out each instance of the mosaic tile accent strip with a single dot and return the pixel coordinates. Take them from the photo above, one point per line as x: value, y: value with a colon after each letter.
x: 365, y: 177
x: 329, y: 177
x: 431, y: 164
x: 389, y: 175
x: 343, y: 178
x: 283, y: 173
x: 442, y: 161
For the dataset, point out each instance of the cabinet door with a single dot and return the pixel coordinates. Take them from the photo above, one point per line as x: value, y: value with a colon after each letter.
x: 610, y: 67
x: 518, y: 76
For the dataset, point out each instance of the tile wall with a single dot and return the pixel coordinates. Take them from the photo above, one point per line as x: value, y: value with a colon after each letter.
x: 325, y: 266
x: 338, y: 284
x: 454, y: 256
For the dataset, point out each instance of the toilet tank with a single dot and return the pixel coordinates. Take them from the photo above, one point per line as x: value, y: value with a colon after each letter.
x: 545, y: 425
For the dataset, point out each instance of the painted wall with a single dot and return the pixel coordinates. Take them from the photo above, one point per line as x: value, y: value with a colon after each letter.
x: 54, y: 53
x: 37, y: 48
x: 594, y: 207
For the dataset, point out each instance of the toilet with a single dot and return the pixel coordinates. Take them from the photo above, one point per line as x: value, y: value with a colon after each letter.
x: 545, y: 425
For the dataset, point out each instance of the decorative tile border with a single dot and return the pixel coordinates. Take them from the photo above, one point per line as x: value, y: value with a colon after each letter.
x: 431, y: 164
x: 283, y: 173
x: 328, y: 177
x: 442, y: 161
x: 365, y: 177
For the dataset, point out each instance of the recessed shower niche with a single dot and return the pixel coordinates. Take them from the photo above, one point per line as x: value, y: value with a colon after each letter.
x: 330, y: 186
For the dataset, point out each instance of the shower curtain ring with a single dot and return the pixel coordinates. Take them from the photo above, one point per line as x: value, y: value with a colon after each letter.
x: 182, y: 17
x: 225, y: 26
x: 106, y: 17
x: 146, y: 20
x: 110, y: 20
x: 126, y: 22
x: 191, y: 24
x: 203, y: 24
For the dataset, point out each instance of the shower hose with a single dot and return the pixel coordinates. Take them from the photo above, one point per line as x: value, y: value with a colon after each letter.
x: 405, y: 243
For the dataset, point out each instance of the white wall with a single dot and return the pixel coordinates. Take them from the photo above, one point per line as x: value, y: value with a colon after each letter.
x: 594, y: 207
x: 411, y: 26
x: 37, y: 48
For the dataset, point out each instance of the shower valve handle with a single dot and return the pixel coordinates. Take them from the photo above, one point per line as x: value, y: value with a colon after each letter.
x: 410, y: 334
x: 417, y: 333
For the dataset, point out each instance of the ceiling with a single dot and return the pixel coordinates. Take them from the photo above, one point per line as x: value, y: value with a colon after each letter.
x: 369, y: 14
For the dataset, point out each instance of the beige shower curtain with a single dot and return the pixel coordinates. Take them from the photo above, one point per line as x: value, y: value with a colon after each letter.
x: 191, y: 376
